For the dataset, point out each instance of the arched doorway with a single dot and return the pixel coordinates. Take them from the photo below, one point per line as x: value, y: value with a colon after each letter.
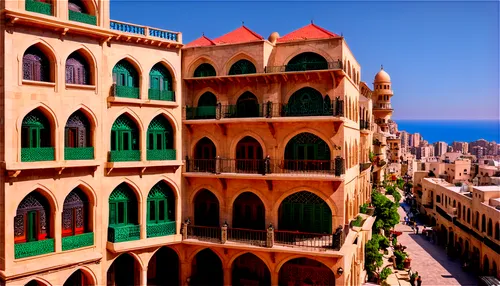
x: 78, y: 278
x: 248, y: 269
x: 206, y: 209
x: 305, y: 212
x: 160, y: 140
x: 160, y: 83
x: 34, y: 283
x: 248, y: 212
x: 247, y: 106
x: 486, y: 266
x: 307, y: 152
x: 36, y: 138
x: 126, y: 80
x: 77, y: 138
x: 207, y: 269
x: 206, y: 106
x: 75, y: 220
x: 124, y: 140
x: 307, y: 101
x: 124, y: 271
x: 304, y: 271
x: 204, y: 155
x: 161, y: 211
x: 163, y: 268
x: 249, y: 156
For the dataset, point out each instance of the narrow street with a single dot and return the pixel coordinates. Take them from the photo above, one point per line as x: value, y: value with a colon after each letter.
x: 430, y: 260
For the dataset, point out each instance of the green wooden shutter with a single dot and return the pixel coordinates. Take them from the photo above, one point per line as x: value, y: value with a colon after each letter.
x: 131, y: 212
x: 32, y: 234
x: 112, y: 213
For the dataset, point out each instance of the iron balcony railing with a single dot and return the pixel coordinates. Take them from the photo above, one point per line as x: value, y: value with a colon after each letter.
x: 125, y: 91
x: 124, y: 233
x: 37, y: 154
x: 78, y: 153
x: 144, y: 31
x: 247, y: 236
x: 33, y: 248
x: 165, y: 95
x: 268, y: 237
x: 382, y: 106
x: 266, y: 166
x: 77, y: 241
x: 306, y: 66
x: 161, y: 229
x: 204, y: 233
x: 267, y: 110
x: 303, y: 239
x: 124, y: 156
x: 82, y: 17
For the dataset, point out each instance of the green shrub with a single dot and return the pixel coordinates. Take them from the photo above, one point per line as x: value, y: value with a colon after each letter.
x: 394, y: 241
x: 358, y: 221
x: 385, y: 273
x: 400, y: 257
x: 363, y: 208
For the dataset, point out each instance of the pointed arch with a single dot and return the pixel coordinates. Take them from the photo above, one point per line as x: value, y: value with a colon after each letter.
x: 46, y: 50
x: 248, y: 211
x: 37, y: 281
x: 89, y: 275
x: 247, y: 133
x: 206, y: 208
x: 242, y: 66
x: 202, y: 59
x: 131, y: 114
x: 161, y: 83
x: 81, y: 67
x: 240, y: 55
x: 248, y: 268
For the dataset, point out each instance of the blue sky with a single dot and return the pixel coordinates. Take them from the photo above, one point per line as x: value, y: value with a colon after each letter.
x: 443, y: 57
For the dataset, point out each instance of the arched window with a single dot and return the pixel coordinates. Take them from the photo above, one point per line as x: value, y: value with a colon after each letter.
x: 78, y: 12
x: 39, y: 6
x: 75, y: 221
x: 78, y: 278
x: 490, y: 228
x: 160, y: 140
x: 77, y: 140
x: 126, y: 79
x: 306, y: 61
x: 77, y: 70
x: 249, y: 156
x: 248, y: 212
x: 204, y: 156
x: 124, y: 140
x: 242, y: 67
x: 483, y: 223
x: 123, y: 222
x: 307, y: 146
x: 160, y: 84
x: 36, y: 139
x: 206, y: 106
x: 305, y: 212
x: 247, y: 106
x: 204, y: 70
x: 468, y: 215
x: 206, y: 209
x: 161, y: 211
x: 307, y: 101
x: 31, y: 224
x: 36, y: 66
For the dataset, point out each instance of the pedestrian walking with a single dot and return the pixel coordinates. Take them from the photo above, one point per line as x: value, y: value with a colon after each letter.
x: 416, y: 228
x: 419, y: 281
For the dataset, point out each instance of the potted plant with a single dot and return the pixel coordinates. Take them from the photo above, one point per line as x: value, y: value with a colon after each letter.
x: 413, y: 277
x: 384, y: 274
x: 407, y: 262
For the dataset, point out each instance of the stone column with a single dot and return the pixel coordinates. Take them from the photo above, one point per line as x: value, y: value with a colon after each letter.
x: 184, y: 230
x: 274, y: 278
x: 270, y: 236
x: 144, y: 276
x: 223, y: 238
x: 57, y: 217
x: 227, y: 276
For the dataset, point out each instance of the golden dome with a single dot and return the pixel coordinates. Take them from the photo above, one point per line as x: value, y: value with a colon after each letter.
x: 382, y: 76
x: 273, y: 37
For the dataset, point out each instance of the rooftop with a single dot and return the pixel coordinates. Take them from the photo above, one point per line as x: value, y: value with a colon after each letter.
x: 308, y: 32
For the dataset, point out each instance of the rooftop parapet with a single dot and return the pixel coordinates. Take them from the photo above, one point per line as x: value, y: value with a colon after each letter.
x: 145, y: 31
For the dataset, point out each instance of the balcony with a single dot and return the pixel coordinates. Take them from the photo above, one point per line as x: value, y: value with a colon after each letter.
x: 267, y: 110
x: 38, y: 7
x: 82, y: 18
x: 124, y: 156
x: 307, y: 66
x: 161, y: 155
x: 37, y: 154
x: 144, y: 31
x: 77, y: 241
x: 81, y: 153
x: 266, y: 166
x: 124, y: 233
x: 161, y: 229
x: 386, y: 106
x: 267, y: 238
x: 165, y: 95
x: 33, y: 248
x: 125, y: 91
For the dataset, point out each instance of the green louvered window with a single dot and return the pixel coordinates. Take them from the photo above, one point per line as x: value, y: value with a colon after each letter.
x: 36, y: 138
x: 161, y: 211
x: 126, y: 79
x: 160, y: 84
x: 204, y: 70
x: 307, y: 146
x: 306, y: 61
x: 123, y: 221
x: 124, y: 140
x: 242, y: 67
x: 305, y: 212
x: 160, y: 140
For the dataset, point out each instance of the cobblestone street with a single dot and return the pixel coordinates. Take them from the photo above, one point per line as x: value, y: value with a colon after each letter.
x: 430, y: 260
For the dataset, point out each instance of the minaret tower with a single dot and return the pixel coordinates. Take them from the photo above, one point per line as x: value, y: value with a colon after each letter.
x: 382, y: 109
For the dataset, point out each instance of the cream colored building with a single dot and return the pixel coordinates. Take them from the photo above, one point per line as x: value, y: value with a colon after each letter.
x: 465, y: 220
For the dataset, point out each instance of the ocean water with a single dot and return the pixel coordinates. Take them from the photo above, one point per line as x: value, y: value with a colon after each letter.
x: 453, y: 130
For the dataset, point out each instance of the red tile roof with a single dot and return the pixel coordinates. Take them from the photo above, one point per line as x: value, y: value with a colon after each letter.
x: 240, y: 35
x: 200, y: 42
x: 310, y: 31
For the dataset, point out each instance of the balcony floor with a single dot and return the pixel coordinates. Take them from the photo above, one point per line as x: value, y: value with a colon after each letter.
x: 277, y: 177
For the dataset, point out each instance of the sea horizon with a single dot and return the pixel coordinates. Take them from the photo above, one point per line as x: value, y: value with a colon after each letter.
x: 449, y: 130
